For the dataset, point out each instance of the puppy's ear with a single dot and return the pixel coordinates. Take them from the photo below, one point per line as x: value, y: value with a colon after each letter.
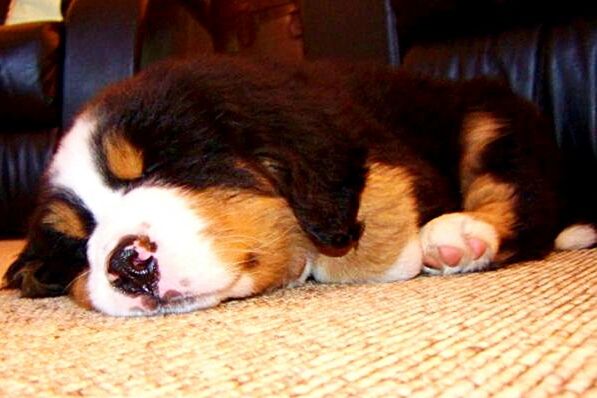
x: 305, y: 136
x: 323, y: 186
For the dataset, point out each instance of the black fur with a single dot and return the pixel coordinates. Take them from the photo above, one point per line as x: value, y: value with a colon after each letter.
x: 194, y: 120
x: 427, y: 117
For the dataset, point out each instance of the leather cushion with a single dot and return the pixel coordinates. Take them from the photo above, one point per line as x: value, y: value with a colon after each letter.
x: 440, y: 19
x: 570, y: 74
x: 30, y: 72
x: 23, y: 158
x: 511, y: 56
x: 554, y: 66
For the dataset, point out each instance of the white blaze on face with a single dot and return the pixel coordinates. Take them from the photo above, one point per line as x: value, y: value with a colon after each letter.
x: 185, y: 256
x: 73, y: 167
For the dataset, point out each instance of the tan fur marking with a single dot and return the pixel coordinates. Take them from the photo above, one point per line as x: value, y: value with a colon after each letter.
x: 61, y: 217
x: 79, y: 293
x: 388, y: 210
x: 248, y: 226
x: 493, y: 202
x: 479, y: 130
x: 123, y: 160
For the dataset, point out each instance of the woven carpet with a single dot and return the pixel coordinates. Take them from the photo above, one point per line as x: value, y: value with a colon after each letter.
x: 528, y: 330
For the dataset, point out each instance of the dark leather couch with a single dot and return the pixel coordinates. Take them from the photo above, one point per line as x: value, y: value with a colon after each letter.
x: 547, y: 51
x: 48, y: 69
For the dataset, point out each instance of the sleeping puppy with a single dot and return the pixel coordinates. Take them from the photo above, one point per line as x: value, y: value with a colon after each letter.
x: 200, y: 181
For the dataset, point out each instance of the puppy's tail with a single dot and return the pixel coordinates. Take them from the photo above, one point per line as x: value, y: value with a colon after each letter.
x: 577, y: 236
x: 579, y: 210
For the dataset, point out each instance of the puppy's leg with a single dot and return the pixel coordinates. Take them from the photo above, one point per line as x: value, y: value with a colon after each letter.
x: 389, y: 248
x: 509, y: 210
x: 55, y: 253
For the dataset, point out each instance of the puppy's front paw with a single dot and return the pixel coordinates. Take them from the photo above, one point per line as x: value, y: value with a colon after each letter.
x: 457, y: 242
x: 46, y: 267
x: 25, y: 275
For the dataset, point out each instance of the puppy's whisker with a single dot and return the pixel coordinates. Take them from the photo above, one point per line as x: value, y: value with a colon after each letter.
x: 80, y: 276
x: 278, y: 236
x: 245, y: 239
x: 256, y: 244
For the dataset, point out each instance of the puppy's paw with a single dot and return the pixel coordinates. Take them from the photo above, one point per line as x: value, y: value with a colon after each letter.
x: 28, y: 276
x: 457, y: 242
x: 46, y: 267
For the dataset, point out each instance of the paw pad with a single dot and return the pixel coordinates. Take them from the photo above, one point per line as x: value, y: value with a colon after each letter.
x: 457, y: 242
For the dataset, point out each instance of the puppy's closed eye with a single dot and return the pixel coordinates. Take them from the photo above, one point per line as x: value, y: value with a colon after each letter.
x: 276, y: 168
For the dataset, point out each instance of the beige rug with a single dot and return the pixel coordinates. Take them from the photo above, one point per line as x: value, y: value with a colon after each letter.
x: 529, y: 330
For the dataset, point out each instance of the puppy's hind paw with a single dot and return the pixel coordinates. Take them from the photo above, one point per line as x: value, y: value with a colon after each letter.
x: 456, y: 243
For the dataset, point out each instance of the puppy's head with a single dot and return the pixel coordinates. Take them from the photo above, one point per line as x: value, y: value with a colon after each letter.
x: 222, y: 179
x: 174, y: 249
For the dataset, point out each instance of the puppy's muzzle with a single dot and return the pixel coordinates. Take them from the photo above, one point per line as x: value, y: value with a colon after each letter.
x: 132, y: 267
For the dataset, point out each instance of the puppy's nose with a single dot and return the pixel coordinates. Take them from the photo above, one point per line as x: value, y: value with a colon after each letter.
x: 133, y: 267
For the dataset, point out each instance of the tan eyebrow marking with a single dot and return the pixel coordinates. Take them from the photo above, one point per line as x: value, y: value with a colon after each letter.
x: 124, y: 160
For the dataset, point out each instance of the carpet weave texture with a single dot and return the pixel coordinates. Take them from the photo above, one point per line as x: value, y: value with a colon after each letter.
x: 528, y: 330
